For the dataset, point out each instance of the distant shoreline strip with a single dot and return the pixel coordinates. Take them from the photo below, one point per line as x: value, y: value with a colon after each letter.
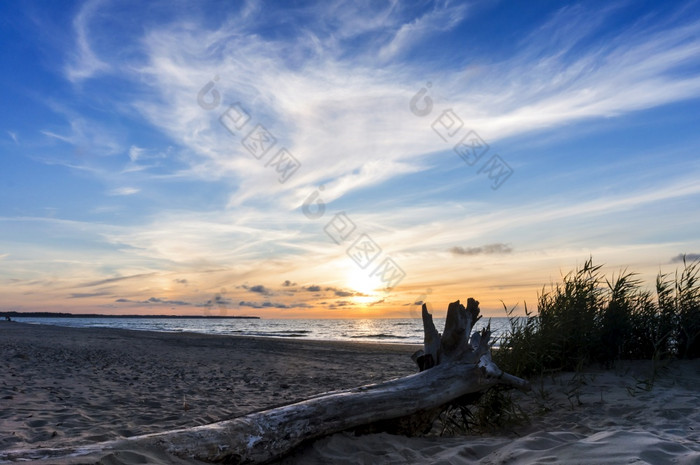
x: 98, y: 315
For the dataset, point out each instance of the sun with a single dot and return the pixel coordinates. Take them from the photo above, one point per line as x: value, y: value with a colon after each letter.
x: 363, y: 284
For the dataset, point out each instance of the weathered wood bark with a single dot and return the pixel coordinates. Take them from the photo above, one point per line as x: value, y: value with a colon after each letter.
x: 266, y: 435
x: 429, y: 356
x: 453, y: 343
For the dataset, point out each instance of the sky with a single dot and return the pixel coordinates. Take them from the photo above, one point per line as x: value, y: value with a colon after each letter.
x: 340, y: 159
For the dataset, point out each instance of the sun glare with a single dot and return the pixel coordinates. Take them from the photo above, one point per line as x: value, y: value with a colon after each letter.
x: 363, y: 285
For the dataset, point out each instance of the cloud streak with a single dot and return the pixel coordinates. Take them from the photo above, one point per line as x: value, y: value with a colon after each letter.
x: 269, y: 304
x: 124, y: 191
x: 687, y: 257
x: 84, y: 63
x: 442, y: 17
x: 488, y: 249
x: 117, y: 279
x: 154, y: 301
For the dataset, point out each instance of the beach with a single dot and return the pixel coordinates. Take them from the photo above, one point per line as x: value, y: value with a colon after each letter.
x: 78, y: 386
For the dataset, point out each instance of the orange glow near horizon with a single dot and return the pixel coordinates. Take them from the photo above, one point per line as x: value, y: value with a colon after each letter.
x: 349, y: 292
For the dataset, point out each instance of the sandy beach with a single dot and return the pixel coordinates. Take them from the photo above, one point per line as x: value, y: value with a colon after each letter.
x: 70, y: 387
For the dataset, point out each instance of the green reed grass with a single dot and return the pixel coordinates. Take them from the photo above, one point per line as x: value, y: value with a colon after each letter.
x: 588, y: 318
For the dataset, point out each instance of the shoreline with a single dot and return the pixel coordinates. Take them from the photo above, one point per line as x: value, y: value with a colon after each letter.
x: 14, y: 314
x: 358, y: 341
x: 341, y: 330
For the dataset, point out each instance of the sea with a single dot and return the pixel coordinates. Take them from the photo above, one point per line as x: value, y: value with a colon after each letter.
x: 394, y: 330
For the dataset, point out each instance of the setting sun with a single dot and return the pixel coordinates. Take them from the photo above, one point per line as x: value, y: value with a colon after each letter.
x: 365, y: 286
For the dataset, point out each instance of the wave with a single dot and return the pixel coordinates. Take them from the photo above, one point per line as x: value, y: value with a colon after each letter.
x: 282, y: 331
x: 380, y: 336
x: 302, y: 333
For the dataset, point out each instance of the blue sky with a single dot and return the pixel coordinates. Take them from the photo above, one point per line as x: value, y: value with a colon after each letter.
x: 122, y: 190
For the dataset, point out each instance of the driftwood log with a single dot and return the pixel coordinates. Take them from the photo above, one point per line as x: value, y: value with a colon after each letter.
x: 452, y: 365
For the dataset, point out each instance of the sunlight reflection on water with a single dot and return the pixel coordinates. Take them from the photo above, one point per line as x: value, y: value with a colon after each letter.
x: 395, y: 330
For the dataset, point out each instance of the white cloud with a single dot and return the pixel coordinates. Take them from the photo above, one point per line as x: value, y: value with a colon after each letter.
x: 338, y: 114
x: 67, y: 139
x: 440, y: 18
x: 545, y: 87
x: 91, y: 139
x: 84, y: 63
x: 121, y: 191
x: 135, y: 153
x: 372, y: 173
x: 13, y: 136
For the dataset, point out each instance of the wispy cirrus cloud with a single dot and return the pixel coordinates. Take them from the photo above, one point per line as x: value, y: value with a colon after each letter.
x: 346, y: 120
x: 362, y: 135
x: 89, y: 139
x: 113, y: 280
x: 84, y: 63
x: 126, y: 190
x: 443, y: 16
x: 545, y: 86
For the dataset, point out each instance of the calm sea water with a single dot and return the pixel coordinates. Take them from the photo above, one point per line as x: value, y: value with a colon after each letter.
x: 407, y: 331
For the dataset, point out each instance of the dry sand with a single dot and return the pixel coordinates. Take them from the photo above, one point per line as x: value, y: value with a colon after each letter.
x: 67, y: 387
x: 600, y: 417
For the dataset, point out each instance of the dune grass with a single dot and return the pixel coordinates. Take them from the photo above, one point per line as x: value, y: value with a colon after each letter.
x: 588, y: 318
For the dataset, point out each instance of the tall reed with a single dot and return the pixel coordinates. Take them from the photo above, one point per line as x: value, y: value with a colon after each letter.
x: 587, y: 318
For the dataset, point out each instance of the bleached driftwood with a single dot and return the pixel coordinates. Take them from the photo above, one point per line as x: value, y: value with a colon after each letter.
x: 451, y: 367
